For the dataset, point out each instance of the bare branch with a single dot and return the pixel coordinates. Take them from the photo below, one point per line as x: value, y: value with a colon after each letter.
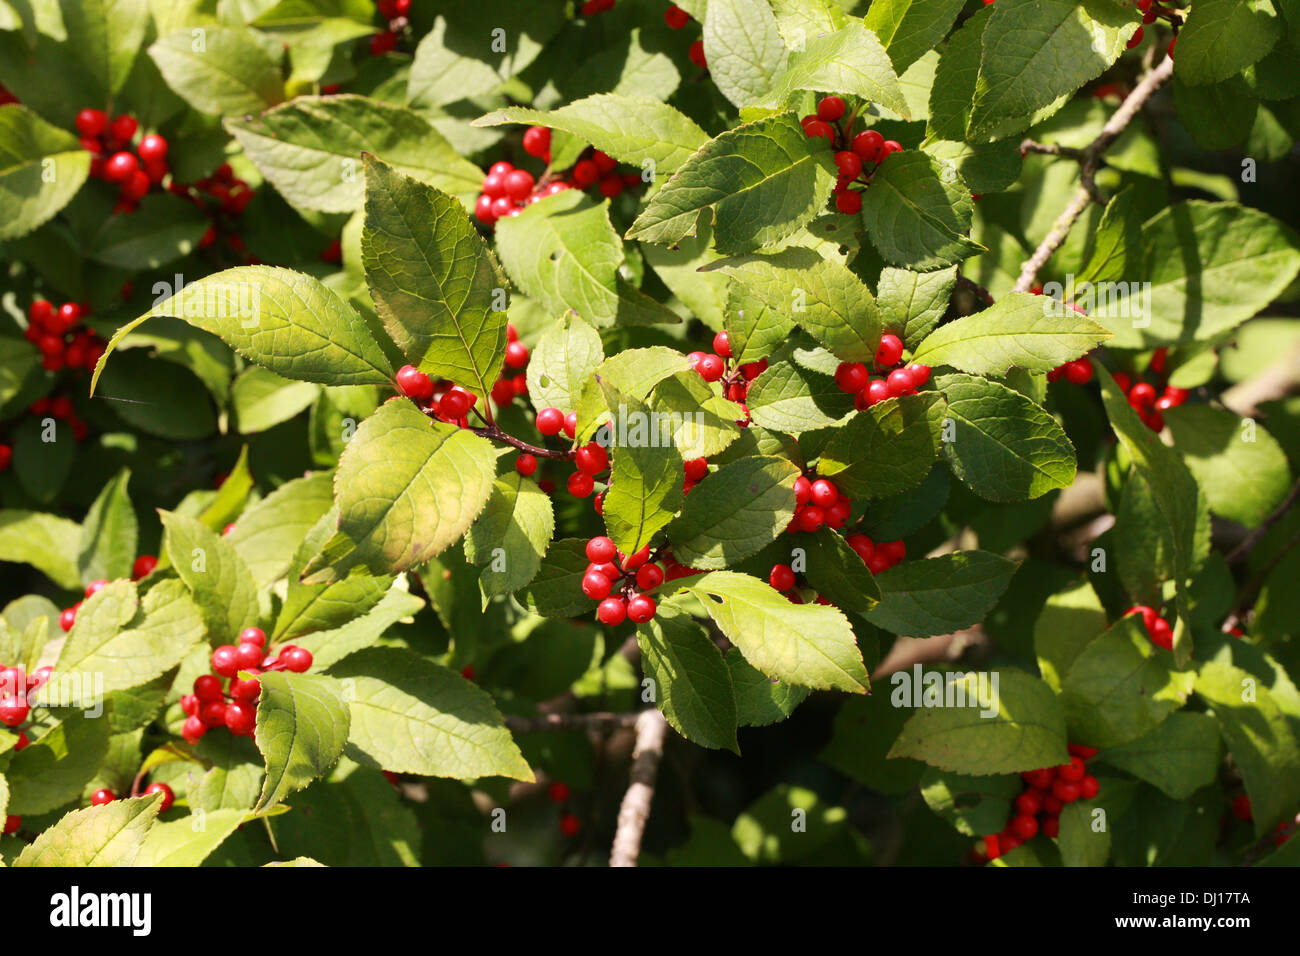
x: 597, y: 721
x: 651, y: 729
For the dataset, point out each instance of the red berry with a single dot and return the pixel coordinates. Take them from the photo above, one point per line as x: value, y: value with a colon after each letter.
x: 585, y: 173
x: 550, y: 421
x: 570, y: 825
x: 519, y: 184
x: 241, y: 718
x: 120, y: 166
x: 1162, y: 635
x: 454, y: 404
x: 889, y: 146
x: 381, y: 43
x: 193, y: 729
x: 516, y: 355
x: 711, y: 368
x: 1051, y: 827
x: 601, y: 550
x: 863, y: 545
x: 213, y: 713
x: 558, y: 792
x: 248, y: 655
x: 1135, y: 39
x: 525, y: 464
x: 676, y: 17
x: 814, y: 128
x: 899, y: 383
x: 649, y: 577
x: 824, y: 493
x: 612, y: 611
x: 849, y: 164
x: 810, y: 518
x: 143, y: 566
x: 1065, y: 792
x: 596, y: 586
x: 1141, y: 395
x: 207, y: 687
x: 123, y: 128
x: 537, y: 141
x: 414, y: 383
x: 92, y: 122
x: 893, y: 551
x: 849, y: 202
x: 13, y: 710
x: 224, y: 662
x: 889, y: 351
x: 1030, y: 802
x: 1039, y: 779
x: 782, y: 577
x: 1078, y: 372
x: 67, y: 618
x: 1089, y: 787
x: 152, y: 148
x: 102, y: 796
x: 851, y: 377
x: 641, y: 609
x: 867, y: 145
x: 571, y: 424
x: 94, y: 587
x: 802, y: 491
x: 1025, y: 827
x: 1241, y: 808
x: 1071, y: 772
x: 920, y: 374
x: 592, y: 458
x: 722, y: 344
x: 190, y: 704
x: 696, y: 469
x: 245, y: 689
x: 168, y: 796
x: 696, y: 54
x: 296, y: 659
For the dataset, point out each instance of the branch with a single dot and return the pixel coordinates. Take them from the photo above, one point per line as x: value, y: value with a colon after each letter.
x: 1090, y: 160
x: 492, y: 431
x: 1252, y: 539
x: 651, y: 729
x: 596, y: 721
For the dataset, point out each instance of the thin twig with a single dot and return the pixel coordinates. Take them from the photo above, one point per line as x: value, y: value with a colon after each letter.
x: 493, y: 432
x: 1051, y: 149
x: 1090, y: 162
x: 1252, y: 539
x: 651, y: 729
x: 603, y: 720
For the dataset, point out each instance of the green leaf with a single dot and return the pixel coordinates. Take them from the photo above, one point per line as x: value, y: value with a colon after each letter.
x: 1004, y: 447
x: 177, y: 843
x: 1259, y: 726
x: 106, y: 35
x: 633, y: 129
x: 1033, y: 332
x: 811, y: 645
x: 407, y: 488
x: 1121, y: 686
x: 885, y: 450
x: 1082, y: 843
x: 744, y: 49
x: 1210, y: 266
x: 136, y: 385
x: 433, y: 279
x: 761, y: 700
x: 219, y: 70
x: 822, y: 295
x: 108, y: 835
x: 1180, y: 755
x: 1242, y: 469
x: 410, y: 715
x: 302, y: 725
x: 30, y: 190
x: 441, y: 73
x: 563, y: 252
x: 217, y: 578
x: 646, y: 477
x: 912, y: 304
x: 556, y: 589
x: 974, y: 806
x: 941, y: 595
x: 791, y: 399
x: 510, y: 537
x: 125, y: 641
x: 311, y: 148
x: 285, y: 321
x: 918, y: 212
x: 328, y: 646
x: 234, y: 776
x: 692, y: 682
x: 700, y: 422
x: 839, y: 573
x: 18, y: 362
x: 267, y: 534
x: 911, y: 28
x: 1223, y: 37
x: 159, y: 230
x: 1038, y: 50
x: 757, y: 184
x: 562, y: 362
x: 48, y: 543
x: 55, y: 768
x: 1026, y: 732
x: 849, y: 61
x: 261, y: 399
x: 734, y: 512
x: 1116, y: 241
x: 1068, y: 622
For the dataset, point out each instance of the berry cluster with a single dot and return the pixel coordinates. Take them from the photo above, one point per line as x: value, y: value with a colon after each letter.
x: 1038, y: 808
x: 235, y: 707
x: 1152, y: 11
x: 223, y: 197
x: 513, y: 381
x: 1147, y: 401
x: 63, y: 340
x: 1158, y: 629
x: 396, y: 13
x: 818, y: 503
x: 853, y: 154
x: 570, y: 825
x: 590, y: 460
x: 718, y: 367
x: 15, y: 686
x: 441, y: 399
x: 142, y: 568
x: 507, y: 189
x: 109, y: 143
x: 630, y: 576
x: 854, y: 378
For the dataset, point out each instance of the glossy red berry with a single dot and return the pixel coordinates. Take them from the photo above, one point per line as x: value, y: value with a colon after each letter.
x: 810, y: 518
x: 849, y: 202
x: 722, y: 344
x: 168, y: 796
x: 612, y: 611
x: 867, y: 145
x: 1039, y: 779
x: 570, y: 825
x: 13, y: 710
x: 601, y: 550
x: 1025, y: 827
x: 143, y: 566
x: 596, y: 586
x: 120, y: 166
x: 1051, y: 827
x: 102, y: 796
x: 241, y: 718
x: 1142, y: 395
x: 550, y: 421
x: 571, y: 424
x: 782, y: 577
x: 851, y: 377
x: 525, y: 464
x: 558, y: 792
x: 889, y: 351
x: 696, y: 469
x: 814, y: 128
x: 249, y: 689
x: 414, y: 383
x: 248, y: 655
x: 454, y: 404
x: 696, y: 53
x: 207, y: 687
x: 224, y: 661
x: 824, y: 493
x: 710, y: 367
x: 1135, y: 39
x: 537, y: 141
x: 92, y: 123
x: 1065, y: 792
x: 193, y: 729
x: 1030, y: 802
x: 296, y: 659
x: 1089, y: 787
x: 1071, y: 772
x: 641, y: 609
x: 67, y: 618
x: 649, y: 577
x: 591, y: 458
x: 123, y: 128
x: 152, y: 149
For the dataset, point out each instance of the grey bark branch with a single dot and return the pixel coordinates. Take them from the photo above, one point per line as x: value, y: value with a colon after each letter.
x: 651, y: 729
